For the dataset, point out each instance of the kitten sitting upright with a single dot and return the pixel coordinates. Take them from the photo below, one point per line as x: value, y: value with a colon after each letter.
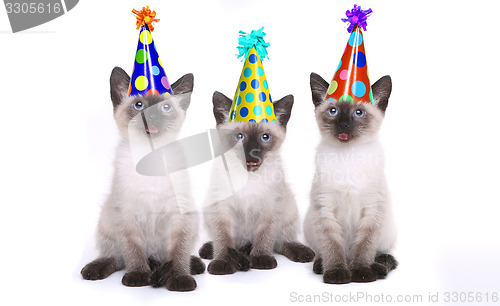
x: 262, y: 216
x: 141, y: 225
x: 349, y: 223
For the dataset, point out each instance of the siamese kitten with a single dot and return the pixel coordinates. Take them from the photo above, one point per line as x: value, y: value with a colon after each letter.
x: 141, y: 227
x: 261, y: 217
x: 349, y: 223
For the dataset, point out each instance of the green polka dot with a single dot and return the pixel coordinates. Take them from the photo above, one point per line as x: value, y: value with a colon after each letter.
x: 141, y: 56
x: 371, y: 96
x: 333, y: 87
x: 345, y: 98
x: 265, y: 84
x: 260, y: 71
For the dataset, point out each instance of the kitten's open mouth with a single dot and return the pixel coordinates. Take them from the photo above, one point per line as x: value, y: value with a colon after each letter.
x: 252, y: 165
x: 151, y: 129
x: 344, y: 136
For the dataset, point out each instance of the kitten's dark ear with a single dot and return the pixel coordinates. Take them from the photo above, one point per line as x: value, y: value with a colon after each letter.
x: 318, y: 89
x: 283, y: 109
x: 119, y: 82
x: 222, y: 106
x: 184, y: 85
x: 381, y: 92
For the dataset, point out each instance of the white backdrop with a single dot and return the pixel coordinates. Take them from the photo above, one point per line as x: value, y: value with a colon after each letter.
x: 440, y: 137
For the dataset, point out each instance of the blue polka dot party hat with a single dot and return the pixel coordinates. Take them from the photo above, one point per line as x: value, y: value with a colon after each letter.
x: 350, y: 82
x: 252, y: 101
x: 148, y: 76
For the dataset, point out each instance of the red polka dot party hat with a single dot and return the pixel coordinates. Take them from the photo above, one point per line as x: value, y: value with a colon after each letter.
x: 252, y: 101
x: 350, y: 82
x: 148, y: 76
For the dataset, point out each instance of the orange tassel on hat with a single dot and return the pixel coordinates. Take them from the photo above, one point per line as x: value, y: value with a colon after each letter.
x: 145, y: 17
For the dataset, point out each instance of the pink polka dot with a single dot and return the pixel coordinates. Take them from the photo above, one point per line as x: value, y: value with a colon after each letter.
x: 343, y: 74
x: 165, y: 83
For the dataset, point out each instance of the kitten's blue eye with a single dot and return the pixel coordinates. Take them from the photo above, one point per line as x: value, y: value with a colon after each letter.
x: 166, y: 108
x: 239, y: 137
x: 359, y: 113
x: 265, y: 137
x: 333, y: 112
x: 139, y: 105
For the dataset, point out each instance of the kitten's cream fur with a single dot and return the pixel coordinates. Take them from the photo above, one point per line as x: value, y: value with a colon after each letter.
x: 141, y: 221
x: 350, y: 222
x: 262, y: 211
x: 265, y: 197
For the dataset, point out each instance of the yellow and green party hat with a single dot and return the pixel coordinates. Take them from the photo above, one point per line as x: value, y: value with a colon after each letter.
x: 252, y: 101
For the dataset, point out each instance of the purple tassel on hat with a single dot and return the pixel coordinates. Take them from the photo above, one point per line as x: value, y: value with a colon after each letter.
x: 356, y: 17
